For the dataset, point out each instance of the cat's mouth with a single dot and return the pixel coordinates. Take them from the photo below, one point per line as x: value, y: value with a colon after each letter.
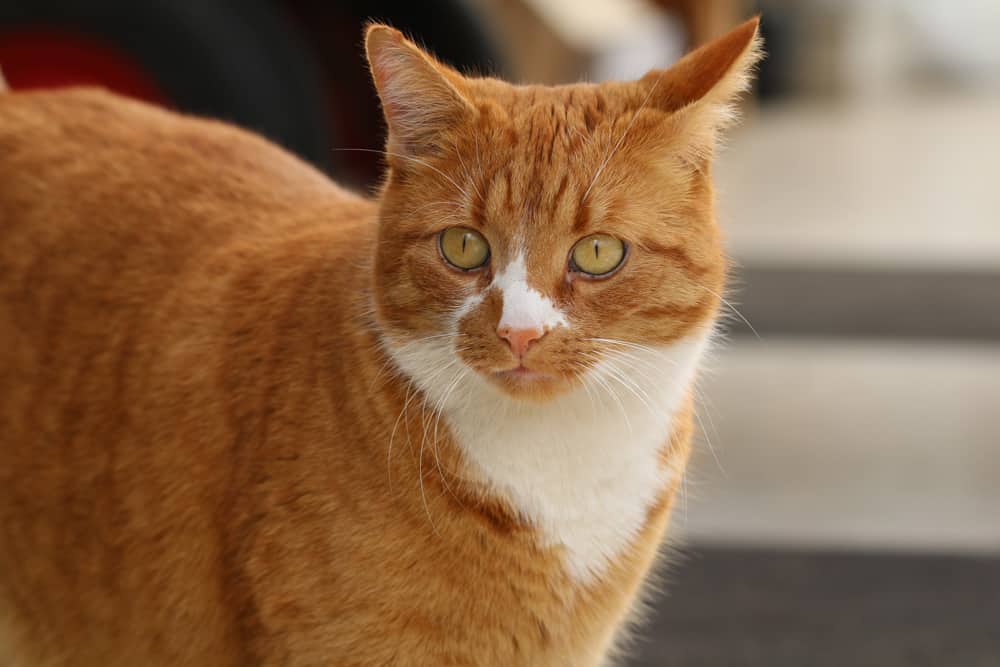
x: 524, y: 382
x: 522, y: 373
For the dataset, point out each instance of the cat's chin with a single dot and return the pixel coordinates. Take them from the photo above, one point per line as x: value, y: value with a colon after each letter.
x: 529, y: 384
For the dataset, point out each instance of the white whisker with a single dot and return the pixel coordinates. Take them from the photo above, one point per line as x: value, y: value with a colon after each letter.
x: 610, y: 390
x: 412, y: 159
x: 442, y: 402
x: 631, y: 387
x: 732, y: 308
x: 621, y: 139
x: 711, y: 449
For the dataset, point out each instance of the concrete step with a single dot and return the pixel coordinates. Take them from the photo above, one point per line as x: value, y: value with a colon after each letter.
x: 885, y: 183
x: 868, y: 444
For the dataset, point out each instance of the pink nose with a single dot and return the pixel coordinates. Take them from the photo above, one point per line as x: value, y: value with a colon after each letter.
x: 519, y: 339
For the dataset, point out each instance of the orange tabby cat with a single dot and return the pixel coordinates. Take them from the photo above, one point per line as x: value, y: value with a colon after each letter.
x: 247, y: 417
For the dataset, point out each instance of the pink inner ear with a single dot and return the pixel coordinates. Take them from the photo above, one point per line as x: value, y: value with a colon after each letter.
x: 387, y: 77
x: 417, y: 98
x: 395, y: 70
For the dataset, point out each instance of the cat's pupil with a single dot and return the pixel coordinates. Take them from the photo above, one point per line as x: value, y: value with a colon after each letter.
x: 597, y: 249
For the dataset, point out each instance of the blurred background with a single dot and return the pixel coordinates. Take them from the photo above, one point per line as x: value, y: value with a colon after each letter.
x: 844, y: 502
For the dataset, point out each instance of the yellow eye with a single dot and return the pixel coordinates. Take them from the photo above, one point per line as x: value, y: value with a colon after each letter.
x: 464, y: 248
x: 598, y: 254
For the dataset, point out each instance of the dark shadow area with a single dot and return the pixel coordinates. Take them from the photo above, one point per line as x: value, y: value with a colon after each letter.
x: 785, y: 608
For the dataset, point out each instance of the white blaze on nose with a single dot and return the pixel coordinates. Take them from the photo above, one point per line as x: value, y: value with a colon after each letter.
x: 523, y: 306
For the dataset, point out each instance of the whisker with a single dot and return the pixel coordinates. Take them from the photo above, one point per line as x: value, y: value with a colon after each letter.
x: 406, y: 403
x: 400, y: 348
x: 585, y: 139
x: 635, y: 346
x: 625, y: 382
x: 706, y: 403
x: 610, y: 390
x: 583, y: 383
x: 618, y: 144
x: 637, y: 363
x: 468, y: 175
x: 711, y: 449
x: 684, y: 495
x: 437, y: 420
x: 479, y: 161
x: 412, y: 159
x: 731, y: 307
x: 437, y: 411
x: 392, y: 435
x: 637, y: 390
x: 453, y: 209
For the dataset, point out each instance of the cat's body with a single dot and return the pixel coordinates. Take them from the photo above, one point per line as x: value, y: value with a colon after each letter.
x: 221, y: 445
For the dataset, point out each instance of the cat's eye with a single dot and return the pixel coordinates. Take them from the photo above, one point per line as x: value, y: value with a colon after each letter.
x: 464, y: 248
x: 597, y: 254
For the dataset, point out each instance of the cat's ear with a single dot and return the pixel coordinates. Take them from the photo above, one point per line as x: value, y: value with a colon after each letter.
x: 420, y: 96
x: 701, y: 88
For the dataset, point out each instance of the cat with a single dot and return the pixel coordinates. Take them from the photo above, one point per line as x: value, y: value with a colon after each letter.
x: 250, y: 417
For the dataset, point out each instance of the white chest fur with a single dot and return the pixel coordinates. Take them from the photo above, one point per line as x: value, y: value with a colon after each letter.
x: 583, y: 468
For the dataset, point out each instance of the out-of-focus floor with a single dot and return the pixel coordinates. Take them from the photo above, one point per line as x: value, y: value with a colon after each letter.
x: 850, y: 511
x: 869, y: 444
x: 852, y: 422
x: 897, y: 182
x: 793, y: 609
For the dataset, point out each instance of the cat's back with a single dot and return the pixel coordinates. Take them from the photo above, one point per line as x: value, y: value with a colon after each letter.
x: 108, y: 205
x: 144, y: 259
x: 126, y: 227
x: 84, y: 158
x: 114, y: 213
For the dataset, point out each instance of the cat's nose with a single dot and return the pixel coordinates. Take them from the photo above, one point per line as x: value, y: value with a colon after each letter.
x: 519, y: 339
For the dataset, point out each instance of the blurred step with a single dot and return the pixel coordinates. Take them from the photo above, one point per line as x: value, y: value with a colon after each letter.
x: 893, y: 303
x: 904, y: 183
x: 875, y: 445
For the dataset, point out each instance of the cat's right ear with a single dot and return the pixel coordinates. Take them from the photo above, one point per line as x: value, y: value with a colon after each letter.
x: 420, y: 96
x: 700, y: 90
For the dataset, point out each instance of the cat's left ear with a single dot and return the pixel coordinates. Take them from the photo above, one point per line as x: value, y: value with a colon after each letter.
x: 701, y: 88
x: 420, y: 96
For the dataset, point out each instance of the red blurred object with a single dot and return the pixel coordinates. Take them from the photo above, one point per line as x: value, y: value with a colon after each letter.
x: 53, y: 58
x: 290, y: 70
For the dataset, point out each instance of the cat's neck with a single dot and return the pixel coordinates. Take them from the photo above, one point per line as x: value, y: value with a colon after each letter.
x: 583, y: 468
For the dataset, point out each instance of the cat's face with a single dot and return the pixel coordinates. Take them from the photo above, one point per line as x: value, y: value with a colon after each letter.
x: 535, y: 233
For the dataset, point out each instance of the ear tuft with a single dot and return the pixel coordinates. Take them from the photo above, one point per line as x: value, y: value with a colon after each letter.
x: 715, y: 72
x: 701, y: 89
x: 418, y: 94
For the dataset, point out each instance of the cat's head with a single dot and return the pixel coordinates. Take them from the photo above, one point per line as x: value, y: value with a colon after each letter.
x: 529, y: 234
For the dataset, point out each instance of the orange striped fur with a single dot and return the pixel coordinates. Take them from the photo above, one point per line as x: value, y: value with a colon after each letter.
x: 248, y: 417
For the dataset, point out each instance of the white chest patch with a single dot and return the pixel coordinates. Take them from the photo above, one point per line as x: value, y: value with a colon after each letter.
x: 584, y: 468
